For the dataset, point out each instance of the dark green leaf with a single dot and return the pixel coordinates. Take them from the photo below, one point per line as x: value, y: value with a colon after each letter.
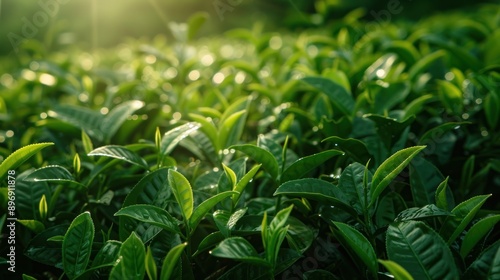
x: 428, y: 211
x: 131, y: 260
x: 476, y: 232
x: 335, y: 92
x: 353, y: 240
x: 317, y: 190
x: 238, y: 248
x: 421, y: 251
x: 463, y: 215
x: 204, y: 207
x: 77, y: 245
x: 354, y: 148
x: 306, y: 164
x: 260, y: 155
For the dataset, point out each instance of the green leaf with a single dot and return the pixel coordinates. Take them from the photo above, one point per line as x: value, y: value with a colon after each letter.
x: 238, y: 248
x: 195, y: 22
x: 354, y: 148
x: 117, y: 116
x: 351, y: 183
x: 52, y: 173
x: 436, y: 133
x: 131, y: 260
x: 183, y: 193
x: 172, y: 137
x: 18, y: 157
x: 151, y: 214
x: 441, y: 195
x: 228, y: 129
x: 316, y: 189
x: 451, y: 97
x: 209, y: 242
x: 388, y: 129
x: 353, y: 240
x: 151, y: 269
x: 421, y: 251
x: 86, y: 142
x: 27, y: 277
x: 49, y: 253
x: 260, y: 155
x: 396, y: 270
x: 335, y: 92
x: 204, y: 207
x: 416, y: 105
x: 33, y: 225
x: 491, y: 105
x: 108, y: 254
x: 83, y: 118
x: 463, y: 214
x: 230, y: 174
x: 405, y: 51
x: 299, y: 236
x: 390, y: 168
x: 77, y: 245
x: 240, y: 186
x: 428, y: 211
x: 121, y: 153
x: 424, y: 63
x: 486, y: 265
x: 386, y: 96
x: 476, y: 233
x: 388, y: 207
x: 170, y: 261
x: 306, y: 164
x: 425, y: 177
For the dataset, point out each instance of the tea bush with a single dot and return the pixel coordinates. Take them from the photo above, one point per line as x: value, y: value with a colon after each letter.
x: 349, y: 151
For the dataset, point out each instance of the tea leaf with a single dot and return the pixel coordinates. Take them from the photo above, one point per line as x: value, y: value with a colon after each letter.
x: 238, y: 248
x: 77, y: 245
x: 183, y: 193
x: 150, y: 214
x: 19, y: 157
x: 171, y: 260
x: 476, y: 232
x: 306, y: 164
x: 121, y: 153
x: 131, y: 260
x: 396, y: 270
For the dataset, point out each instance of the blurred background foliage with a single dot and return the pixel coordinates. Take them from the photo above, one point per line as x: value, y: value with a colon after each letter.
x: 92, y: 24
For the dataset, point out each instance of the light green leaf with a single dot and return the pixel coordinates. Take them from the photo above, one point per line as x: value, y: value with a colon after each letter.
x: 172, y: 137
x: 228, y: 130
x: 33, y: 225
x: 83, y: 118
x: 77, y: 245
x: 119, y: 114
x: 171, y: 260
x: 230, y: 174
x: 390, y: 168
x: 476, y: 233
x: 18, y: 157
x: 195, y: 22
x: 204, y: 207
x: 361, y: 248
x: 119, y: 152
x: 151, y: 269
x: 306, y: 164
x: 420, y: 66
x: 396, y: 270
x: 421, y: 251
x: 151, y: 214
x: 240, y: 186
x: 131, y: 260
x: 238, y: 248
x: 183, y: 193
x: 463, y: 215
x: 260, y: 155
x: 335, y: 92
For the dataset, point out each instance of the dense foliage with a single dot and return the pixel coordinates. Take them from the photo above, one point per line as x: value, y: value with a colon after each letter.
x: 351, y: 151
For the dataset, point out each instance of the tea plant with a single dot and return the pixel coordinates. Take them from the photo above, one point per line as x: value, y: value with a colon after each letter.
x: 238, y: 156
